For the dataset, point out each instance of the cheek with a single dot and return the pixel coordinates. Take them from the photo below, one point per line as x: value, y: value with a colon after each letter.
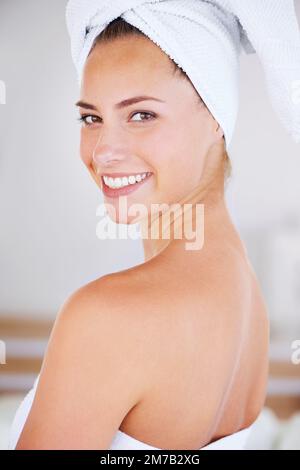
x: 87, y: 145
x: 164, y: 145
x: 192, y: 143
x: 181, y: 151
x: 180, y: 163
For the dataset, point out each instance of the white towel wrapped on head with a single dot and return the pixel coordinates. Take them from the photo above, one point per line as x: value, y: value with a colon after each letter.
x: 204, y: 37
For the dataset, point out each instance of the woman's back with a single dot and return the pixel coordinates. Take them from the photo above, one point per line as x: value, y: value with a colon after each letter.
x: 203, y: 343
x: 209, y: 347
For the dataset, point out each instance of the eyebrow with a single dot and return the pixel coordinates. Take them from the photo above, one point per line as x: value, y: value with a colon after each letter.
x: 121, y: 104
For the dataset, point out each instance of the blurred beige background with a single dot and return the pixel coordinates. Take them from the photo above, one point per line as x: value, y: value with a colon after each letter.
x: 48, y: 202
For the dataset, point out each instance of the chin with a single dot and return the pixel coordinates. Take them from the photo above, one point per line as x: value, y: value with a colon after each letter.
x: 122, y: 218
x: 126, y: 211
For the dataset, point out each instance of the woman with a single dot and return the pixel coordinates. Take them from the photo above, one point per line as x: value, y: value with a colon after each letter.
x: 172, y: 353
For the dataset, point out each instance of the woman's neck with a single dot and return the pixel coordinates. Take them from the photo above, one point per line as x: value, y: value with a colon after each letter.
x: 188, y: 226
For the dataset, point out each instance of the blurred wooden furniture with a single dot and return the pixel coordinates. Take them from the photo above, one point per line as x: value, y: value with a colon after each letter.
x: 26, y: 341
x: 285, y: 396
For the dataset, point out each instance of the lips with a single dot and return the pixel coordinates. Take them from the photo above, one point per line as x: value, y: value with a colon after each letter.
x: 117, y: 192
x: 120, y: 175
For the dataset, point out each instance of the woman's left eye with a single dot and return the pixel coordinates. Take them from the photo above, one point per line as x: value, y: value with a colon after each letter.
x: 144, y: 113
x: 84, y: 117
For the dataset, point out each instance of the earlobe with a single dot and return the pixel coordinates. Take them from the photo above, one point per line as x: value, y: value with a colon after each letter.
x: 219, y: 131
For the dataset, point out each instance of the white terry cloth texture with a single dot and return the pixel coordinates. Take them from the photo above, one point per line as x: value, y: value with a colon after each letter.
x: 205, y: 38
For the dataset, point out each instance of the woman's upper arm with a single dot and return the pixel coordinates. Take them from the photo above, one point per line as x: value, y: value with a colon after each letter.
x: 89, y: 379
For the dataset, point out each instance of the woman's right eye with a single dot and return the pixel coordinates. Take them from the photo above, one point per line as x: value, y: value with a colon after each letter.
x: 84, y: 119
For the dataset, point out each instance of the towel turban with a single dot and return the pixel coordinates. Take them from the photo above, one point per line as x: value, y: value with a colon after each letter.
x: 205, y: 38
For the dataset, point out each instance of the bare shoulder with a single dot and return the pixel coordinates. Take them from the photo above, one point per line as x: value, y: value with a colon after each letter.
x: 107, y: 313
x: 92, y: 375
x: 133, y: 304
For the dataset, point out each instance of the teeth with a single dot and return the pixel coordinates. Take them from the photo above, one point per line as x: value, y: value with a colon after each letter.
x: 124, y: 181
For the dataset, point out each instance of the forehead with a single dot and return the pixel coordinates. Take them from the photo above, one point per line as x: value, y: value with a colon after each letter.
x: 124, y: 61
x: 132, y: 66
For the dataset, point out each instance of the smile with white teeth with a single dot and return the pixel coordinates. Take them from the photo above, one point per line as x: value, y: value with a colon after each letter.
x: 121, y: 182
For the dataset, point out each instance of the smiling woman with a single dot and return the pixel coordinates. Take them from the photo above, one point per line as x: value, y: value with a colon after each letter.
x: 127, y: 137
x: 118, y: 29
x: 171, y: 353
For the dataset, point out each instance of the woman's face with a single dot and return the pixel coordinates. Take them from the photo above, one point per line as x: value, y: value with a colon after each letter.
x: 168, y: 138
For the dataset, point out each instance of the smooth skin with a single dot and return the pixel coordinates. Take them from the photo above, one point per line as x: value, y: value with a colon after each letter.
x: 174, y: 351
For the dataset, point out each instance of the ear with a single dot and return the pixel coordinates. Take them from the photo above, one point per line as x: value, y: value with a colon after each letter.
x: 219, y: 131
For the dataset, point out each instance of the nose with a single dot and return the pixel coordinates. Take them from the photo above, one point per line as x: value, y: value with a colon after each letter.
x: 107, y: 155
x: 106, y: 158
